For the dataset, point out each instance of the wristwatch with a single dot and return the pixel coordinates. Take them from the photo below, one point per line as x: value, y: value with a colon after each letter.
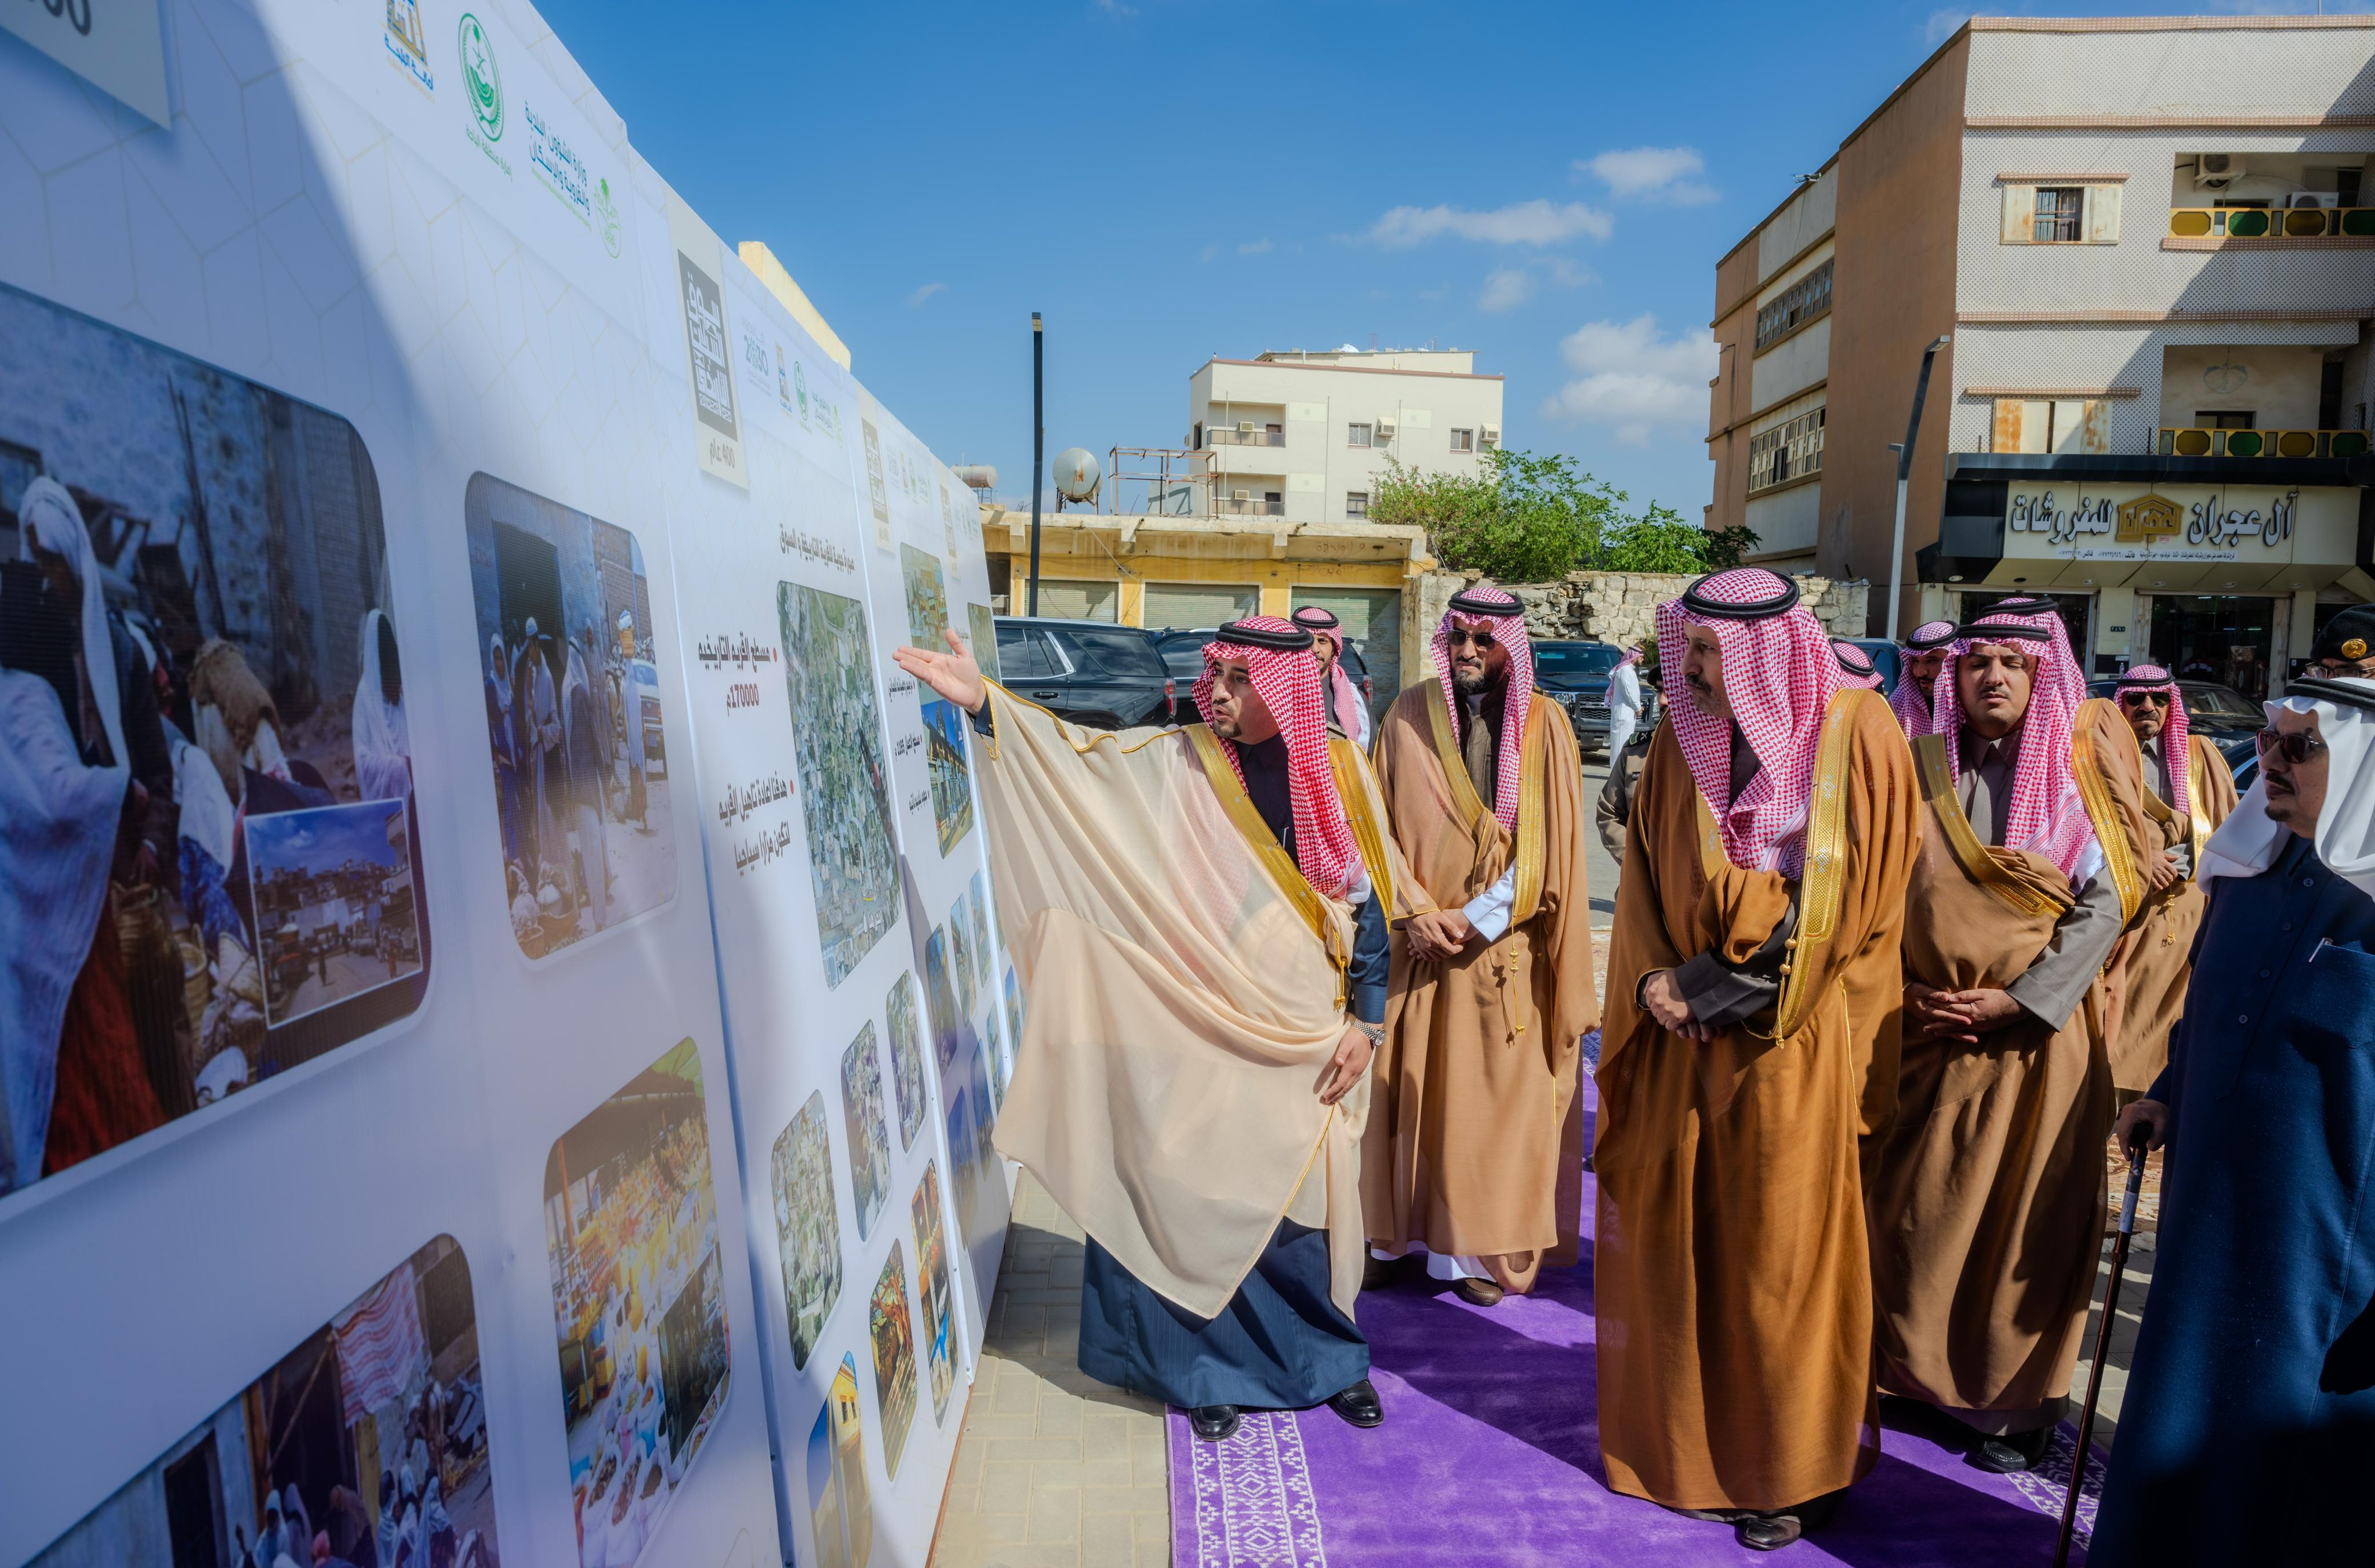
x: 1376, y: 1031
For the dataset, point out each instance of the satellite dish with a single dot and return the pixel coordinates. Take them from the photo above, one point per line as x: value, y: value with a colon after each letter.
x: 1077, y: 473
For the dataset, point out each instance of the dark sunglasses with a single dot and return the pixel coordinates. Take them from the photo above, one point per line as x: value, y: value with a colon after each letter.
x: 2294, y: 746
x: 2137, y: 698
x: 1459, y: 634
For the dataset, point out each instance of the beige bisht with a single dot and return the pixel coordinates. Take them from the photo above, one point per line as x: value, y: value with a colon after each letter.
x: 1475, y: 1140
x: 2150, y: 967
x: 1186, y: 988
x: 1987, y: 1205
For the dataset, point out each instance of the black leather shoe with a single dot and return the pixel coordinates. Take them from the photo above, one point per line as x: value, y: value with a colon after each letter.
x: 1766, y: 1532
x: 2013, y: 1451
x: 1214, y: 1423
x: 1380, y: 1273
x: 1358, y: 1404
x: 1478, y: 1293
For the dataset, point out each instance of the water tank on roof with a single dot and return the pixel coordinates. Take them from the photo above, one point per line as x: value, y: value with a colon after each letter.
x: 978, y: 476
x: 1076, y: 474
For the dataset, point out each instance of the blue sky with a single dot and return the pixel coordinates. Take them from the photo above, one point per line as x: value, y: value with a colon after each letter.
x: 1548, y: 185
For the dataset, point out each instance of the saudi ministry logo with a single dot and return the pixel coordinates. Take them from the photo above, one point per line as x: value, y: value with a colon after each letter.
x: 607, y: 212
x: 480, y: 76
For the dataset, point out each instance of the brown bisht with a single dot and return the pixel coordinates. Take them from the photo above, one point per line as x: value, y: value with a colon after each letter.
x: 1731, y: 1282
x: 2150, y: 966
x: 1987, y: 1206
x: 1475, y: 1135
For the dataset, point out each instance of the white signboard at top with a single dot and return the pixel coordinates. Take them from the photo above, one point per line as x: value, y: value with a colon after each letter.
x: 2189, y: 522
x: 118, y: 46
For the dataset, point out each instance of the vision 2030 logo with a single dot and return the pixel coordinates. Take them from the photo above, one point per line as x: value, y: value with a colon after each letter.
x: 482, y: 77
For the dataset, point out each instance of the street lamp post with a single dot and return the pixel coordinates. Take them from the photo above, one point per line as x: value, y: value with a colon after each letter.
x: 1039, y: 447
x: 1904, y: 473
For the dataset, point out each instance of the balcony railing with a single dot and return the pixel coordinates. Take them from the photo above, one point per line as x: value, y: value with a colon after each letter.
x: 2178, y: 441
x: 2272, y: 223
x: 1221, y: 436
x: 1225, y: 506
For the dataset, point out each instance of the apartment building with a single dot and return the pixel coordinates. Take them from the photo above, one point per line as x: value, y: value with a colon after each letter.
x: 2146, y: 239
x: 1306, y: 435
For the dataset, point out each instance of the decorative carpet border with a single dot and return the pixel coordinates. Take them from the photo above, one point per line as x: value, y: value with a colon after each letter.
x: 1249, y: 1502
x: 2041, y: 1487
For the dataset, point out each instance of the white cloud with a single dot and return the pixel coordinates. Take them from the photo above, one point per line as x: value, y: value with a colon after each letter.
x: 1537, y: 222
x: 925, y: 292
x: 1505, y: 287
x: 1566, y: 275
x: 1651, y: 174
x: 1632, y: 378
x: 1254, y: 247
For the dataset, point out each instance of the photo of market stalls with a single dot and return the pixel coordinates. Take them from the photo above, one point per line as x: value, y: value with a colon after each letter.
x: 371, y: 1435
x: 195, y: 638
x: 631, y: 1233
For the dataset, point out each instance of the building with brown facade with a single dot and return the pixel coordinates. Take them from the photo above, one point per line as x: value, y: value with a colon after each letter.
x: 2145, y: 239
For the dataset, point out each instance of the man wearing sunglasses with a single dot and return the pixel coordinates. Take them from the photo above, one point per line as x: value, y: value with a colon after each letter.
x: 2249, y: 1419
x: 1474, y: 1143
x: 2346, y: 649
x: 2191, y: 792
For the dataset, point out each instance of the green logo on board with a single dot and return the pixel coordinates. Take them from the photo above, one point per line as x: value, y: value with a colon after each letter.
x: 485, y: 82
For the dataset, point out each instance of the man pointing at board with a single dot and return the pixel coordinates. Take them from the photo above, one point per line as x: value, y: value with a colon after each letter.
x: 1199, y: 917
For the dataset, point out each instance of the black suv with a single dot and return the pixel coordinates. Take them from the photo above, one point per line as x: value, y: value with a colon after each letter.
x: 1183, y: 655
x: 1575, y: 676
x: 1091, y: 672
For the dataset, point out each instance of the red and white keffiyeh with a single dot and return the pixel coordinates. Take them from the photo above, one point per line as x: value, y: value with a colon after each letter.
x: 1344, y: 698
x: 1289, y: 684
x: 1855, y: 664
x: 2046, y: 816
x: 1908, y: 702
x: 1780, y: 675
x: 2174, y: 733
x: 1507, y: 618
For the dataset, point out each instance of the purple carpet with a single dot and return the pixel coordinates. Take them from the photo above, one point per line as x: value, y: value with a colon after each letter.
x: 1490, y: 1453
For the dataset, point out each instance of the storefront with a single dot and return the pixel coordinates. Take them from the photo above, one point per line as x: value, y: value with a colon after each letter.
x: 2221, y: 568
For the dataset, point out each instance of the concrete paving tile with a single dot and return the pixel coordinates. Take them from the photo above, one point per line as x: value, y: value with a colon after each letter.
x: 1106, y: 1541
x: 1004, y: 1527
x: 1048, y: 1473
x: 1054, y: 1513
x: 1006, y: 1487
x: 1111, y: 1499
x: 1034, y: 1448
x: 1152, y: 1526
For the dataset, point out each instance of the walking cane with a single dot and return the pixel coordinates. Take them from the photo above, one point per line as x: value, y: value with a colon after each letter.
x: 2102, y: 1342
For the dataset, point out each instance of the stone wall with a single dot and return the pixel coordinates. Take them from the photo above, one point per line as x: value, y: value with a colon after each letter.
x: 1620, y: 606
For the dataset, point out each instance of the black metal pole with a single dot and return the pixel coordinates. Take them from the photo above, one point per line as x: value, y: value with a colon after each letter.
x: 2102, y: 1351
x: 1038, y: 448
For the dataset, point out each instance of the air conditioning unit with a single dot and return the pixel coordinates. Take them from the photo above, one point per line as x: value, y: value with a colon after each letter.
x: 1492, y: 435
x: 1245, y: 427
x: 2315, y: 198
x: 2216, y: 170
x: 1241, y: 495
x: 1384, y: 428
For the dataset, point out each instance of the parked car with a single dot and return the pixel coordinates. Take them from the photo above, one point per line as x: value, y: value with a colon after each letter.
x: 1091, y: 672
x: 1575, y: 676
x: 2228, y: 717
x: 1183, y: 654
x: 1884, y: 658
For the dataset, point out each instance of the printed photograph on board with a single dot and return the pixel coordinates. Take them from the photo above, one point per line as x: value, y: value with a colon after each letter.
x: 940, y: 997
x: 808, y: 1229
x: 839, y: 1510
x: 870, y: 1136
x: 982, y: 639
x: 907, y: 1057
x: 977, y: 912
x: 944, y: 723
x: 1013, y: 1030
x: 366, y: 1445
x: 195, y: 638
x: 845, y: 789
x: 638, y: 1307
x: 573, y: 690
x: 893, y: 1333
x: 932, y: 1284
x: 961, y: 951
x: 964, y: 1155
x: 334, y: 905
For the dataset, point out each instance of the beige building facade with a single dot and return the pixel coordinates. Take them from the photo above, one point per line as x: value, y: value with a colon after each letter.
x: 2152, y: 242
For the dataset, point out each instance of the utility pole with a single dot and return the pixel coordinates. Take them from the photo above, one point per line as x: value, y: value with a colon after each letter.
x: 1904, y: 472
x: 1039, y: 447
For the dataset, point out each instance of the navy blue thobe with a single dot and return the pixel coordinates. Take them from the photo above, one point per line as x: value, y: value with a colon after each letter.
x: 1282, y: 1342
x: 2229, y: 1452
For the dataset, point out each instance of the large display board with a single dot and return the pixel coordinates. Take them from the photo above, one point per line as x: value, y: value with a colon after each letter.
x: 502, y: 1012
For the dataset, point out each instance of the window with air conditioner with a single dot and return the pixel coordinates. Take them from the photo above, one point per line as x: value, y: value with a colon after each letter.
x: 1492, y: 435
x: 1357, y: 504
x: 1463, y: 440
x: 1385, y: 430
x: 1359, y: 435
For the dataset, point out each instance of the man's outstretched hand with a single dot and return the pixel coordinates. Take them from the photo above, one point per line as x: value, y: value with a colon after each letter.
x: 955, y: 675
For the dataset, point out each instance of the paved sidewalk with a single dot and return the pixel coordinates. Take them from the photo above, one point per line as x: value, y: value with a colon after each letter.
x: 1054, y: 1469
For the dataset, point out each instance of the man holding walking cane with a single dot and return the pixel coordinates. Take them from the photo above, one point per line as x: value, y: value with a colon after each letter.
x: 2249, y: 1423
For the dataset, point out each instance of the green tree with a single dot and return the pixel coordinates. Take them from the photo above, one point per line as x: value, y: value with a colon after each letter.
x: 1660, y: 540
x: 1529, y: 518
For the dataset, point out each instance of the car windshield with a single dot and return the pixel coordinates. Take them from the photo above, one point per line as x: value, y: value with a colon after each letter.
x: 1566, y: 661
x: 2222, y: 705
x: 1116, y: 652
